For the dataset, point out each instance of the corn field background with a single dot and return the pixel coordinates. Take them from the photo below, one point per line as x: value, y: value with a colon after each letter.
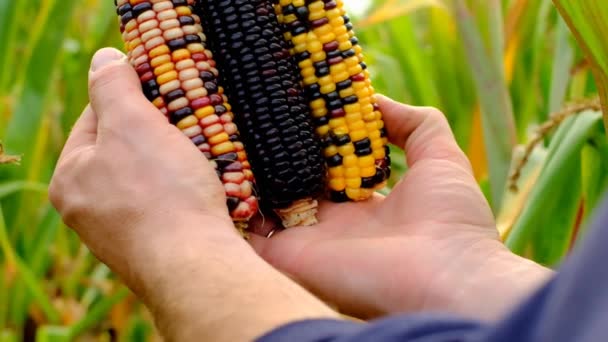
x: 519, y: 80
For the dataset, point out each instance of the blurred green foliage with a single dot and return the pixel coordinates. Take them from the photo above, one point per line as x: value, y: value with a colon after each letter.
x: 501, y: 70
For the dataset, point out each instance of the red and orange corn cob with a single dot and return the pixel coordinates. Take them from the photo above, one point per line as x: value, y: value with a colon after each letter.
x: 166, y: 46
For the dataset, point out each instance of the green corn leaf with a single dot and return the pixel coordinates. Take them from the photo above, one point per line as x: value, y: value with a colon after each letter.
x: 98, y: 312
x: 8, y: 336
x: 563, y: 59
x: 52, y: 333
x: 27, y: 118
x: 498, y: 121
x: 27, y: 275
x: 544, y: 230
x: 588, y: 20
x: 10, y: 188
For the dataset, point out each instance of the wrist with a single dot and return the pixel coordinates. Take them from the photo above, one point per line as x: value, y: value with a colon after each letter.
x: 487, y: 283
x: 202, y: 283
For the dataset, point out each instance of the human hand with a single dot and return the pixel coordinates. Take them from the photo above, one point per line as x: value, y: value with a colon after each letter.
x: 146, y: 202
x: 431, y: 244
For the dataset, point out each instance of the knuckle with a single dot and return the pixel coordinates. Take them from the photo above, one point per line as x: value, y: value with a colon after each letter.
x: 436, y: 115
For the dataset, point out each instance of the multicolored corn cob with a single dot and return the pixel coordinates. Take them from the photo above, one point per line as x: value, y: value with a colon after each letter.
x: 166, y: 45
x: 338, y: 88
x: 262, y: 79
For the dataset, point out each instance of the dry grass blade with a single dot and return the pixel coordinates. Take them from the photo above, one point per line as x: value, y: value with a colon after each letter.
x: 544, y: 129
x: 6, y: 159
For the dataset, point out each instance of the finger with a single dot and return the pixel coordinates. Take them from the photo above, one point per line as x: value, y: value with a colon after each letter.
x: 116, y: 95
x: 84, y: 132
x: 423, y: 132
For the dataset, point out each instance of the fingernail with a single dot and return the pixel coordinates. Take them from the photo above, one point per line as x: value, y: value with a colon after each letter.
x: 104, y: 57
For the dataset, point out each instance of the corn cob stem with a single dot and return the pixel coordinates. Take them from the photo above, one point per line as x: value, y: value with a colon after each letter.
x: 262, y: 79
x: 165, y: 45
x: 338, y: 88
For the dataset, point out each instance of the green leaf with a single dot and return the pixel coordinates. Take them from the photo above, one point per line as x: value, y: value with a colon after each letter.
x: 98, y: 312
x: 588, y: 20
x: 544, y: 230
x: 27, y: 119
x: 498, y: 121
x: 52, y: 333
x: 10, y: 188
x: 25, y: 273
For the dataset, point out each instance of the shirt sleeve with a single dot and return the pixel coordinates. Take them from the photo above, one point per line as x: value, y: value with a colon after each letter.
x: 571, y: 307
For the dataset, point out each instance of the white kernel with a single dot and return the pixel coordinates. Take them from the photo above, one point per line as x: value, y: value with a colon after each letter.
x: 169, y: 24
x: 169, y: 87
x: 151, y: 34
x: 193, y: 131
x: 178, y: 104
x: 166, y: 15
x: 146, y: 16
x: 173, y: 33
x: 185, y: 64
x: 148, y: 25
x: 192, y: 84
x: 154, y: 42
x: 196, y: 93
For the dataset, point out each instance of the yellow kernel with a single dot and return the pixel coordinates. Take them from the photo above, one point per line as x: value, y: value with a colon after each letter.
x: 339, y: 122
x: 188, y: 121
x: 342, y: 76
x: 346, y: 150
x: 330, y: 151
x: 163, y: 68
x: 181, y: 54
x: 367, y: 172
x: 377, y: 144
x: 223, y: 148
x: 352, y: 172
x: 366, y: 193
x: 318, y: 56
x: 159, y: 60
x: 167, y: 77
x: 350, y: 161
x: 347, y: 92
x: 336, y: 172
x: 352, y: 108
x: 354, y: 117
x: 357, y: 125
x: 353, y: 183
x: 353, y: 194
x: 379, y: 154
x: 337, y: 184
x: 159, y: 102
x: 358, y: 135
x: 219, y: 138
x: 318, y: 103
x: 322, y: 130
x: 159, y: 51
x: 204, y: 112
x: 366, y: 161
x: 319, y: 113
x: 328, y: 88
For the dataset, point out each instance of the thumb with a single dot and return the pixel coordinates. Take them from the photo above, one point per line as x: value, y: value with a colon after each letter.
x: 115, y: 92
x: 424, y: 133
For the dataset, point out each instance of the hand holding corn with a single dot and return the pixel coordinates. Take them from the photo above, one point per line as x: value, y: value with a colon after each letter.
x: 137, y: 192
x: 290, y: 74
x: 166, y: 231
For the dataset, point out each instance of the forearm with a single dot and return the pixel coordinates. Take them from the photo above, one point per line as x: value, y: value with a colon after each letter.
x: 224, y: 298
x: 495, y: 282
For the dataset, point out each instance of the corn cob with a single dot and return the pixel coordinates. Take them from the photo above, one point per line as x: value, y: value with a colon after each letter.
x: 338, y: 88
x: 262, y: 79
x: 166, y: 46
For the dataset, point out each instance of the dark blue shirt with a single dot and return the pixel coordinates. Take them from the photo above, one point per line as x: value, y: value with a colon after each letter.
x: 572, y: 307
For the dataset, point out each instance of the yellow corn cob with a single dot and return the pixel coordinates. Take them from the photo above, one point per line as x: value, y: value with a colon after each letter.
x: 341, y: 96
